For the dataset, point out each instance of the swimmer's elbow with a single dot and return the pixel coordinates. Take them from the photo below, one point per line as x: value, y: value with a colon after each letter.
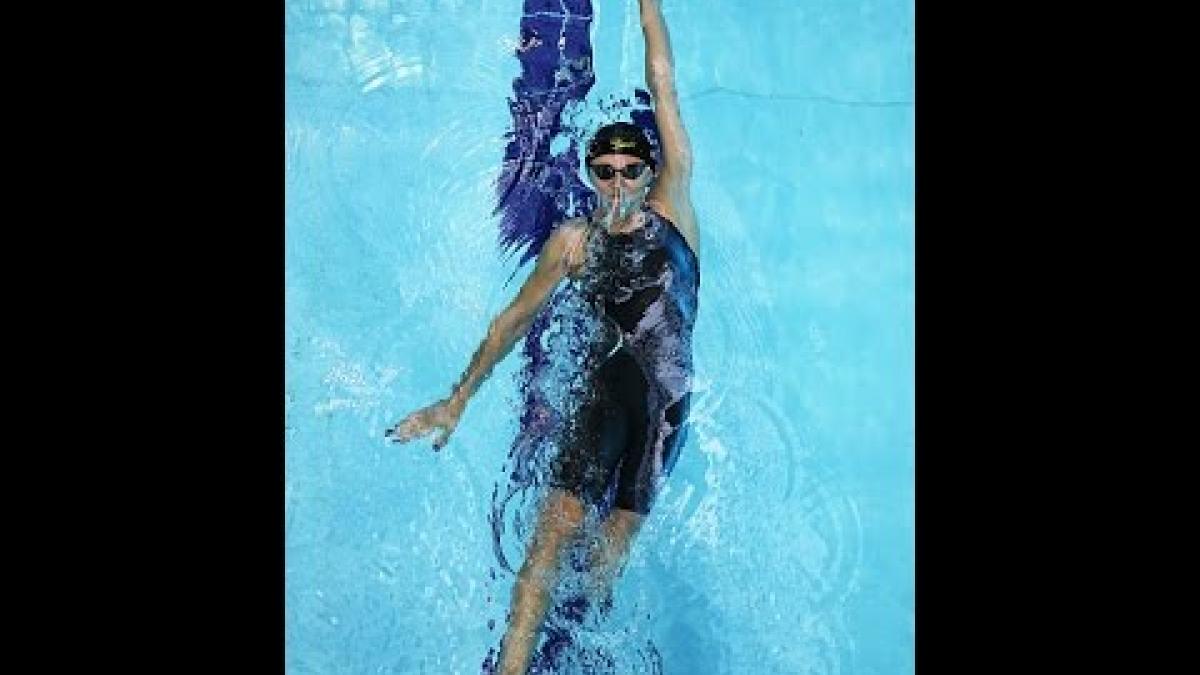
x: 520, y: 327
x: 510, y: 326
x: 502, y: 328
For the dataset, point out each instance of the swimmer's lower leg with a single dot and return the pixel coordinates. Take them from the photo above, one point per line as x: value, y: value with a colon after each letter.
x: 557, y: 524
x: 610, y: 552
x: 531, y: 599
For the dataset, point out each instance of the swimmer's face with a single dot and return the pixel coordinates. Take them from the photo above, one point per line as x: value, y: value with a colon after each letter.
x: 609, y: 173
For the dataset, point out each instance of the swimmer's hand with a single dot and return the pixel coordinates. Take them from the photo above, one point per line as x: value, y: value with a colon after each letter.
x: 610, y: 214
x: 441, y: 415
x: 618, y: 213
x: 626, y: 204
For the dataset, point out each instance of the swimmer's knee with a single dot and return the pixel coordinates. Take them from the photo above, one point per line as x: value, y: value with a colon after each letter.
x: 619, y: 529
x: 627, y: 522
x: 560, y: 521
x: 562, y: 518
x: 564, y: 511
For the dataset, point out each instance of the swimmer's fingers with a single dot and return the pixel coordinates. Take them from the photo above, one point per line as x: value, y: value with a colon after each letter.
x: 415, y: 425
x: 440, y: 441
x: 611, y: 216
x: 426, y: 421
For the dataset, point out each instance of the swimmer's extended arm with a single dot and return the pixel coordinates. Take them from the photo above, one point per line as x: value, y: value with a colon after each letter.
x: 672, y: 187
x: 660, y: 78
x: 504, y: 331
x: 513, y: 323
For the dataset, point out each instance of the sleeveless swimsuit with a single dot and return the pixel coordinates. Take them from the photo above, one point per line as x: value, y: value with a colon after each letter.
x: 631, y: 422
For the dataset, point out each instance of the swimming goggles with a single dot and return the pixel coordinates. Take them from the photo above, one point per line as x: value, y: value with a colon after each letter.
x: 630, y: 171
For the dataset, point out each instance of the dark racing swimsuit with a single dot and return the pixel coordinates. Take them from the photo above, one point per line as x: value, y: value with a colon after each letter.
x: 643, y: 285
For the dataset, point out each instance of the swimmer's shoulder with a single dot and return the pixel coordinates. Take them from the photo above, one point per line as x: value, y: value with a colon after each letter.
x: 572, y: 238
x: 574, y: 226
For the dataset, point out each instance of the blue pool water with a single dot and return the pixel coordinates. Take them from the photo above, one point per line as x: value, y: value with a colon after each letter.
x: 783, y: 542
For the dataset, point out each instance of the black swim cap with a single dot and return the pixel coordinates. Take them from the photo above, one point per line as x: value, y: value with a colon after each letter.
x: 621, y: 138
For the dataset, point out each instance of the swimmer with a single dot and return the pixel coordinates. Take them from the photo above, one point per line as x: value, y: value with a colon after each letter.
x: 636, y: 261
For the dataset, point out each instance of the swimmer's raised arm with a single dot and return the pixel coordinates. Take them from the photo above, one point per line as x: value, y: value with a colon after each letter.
x: 660, y: 78
x: 503, y: 332
x: 671, y: 192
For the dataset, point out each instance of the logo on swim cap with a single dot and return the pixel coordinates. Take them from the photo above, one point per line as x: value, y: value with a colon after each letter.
x: 622, y: 138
